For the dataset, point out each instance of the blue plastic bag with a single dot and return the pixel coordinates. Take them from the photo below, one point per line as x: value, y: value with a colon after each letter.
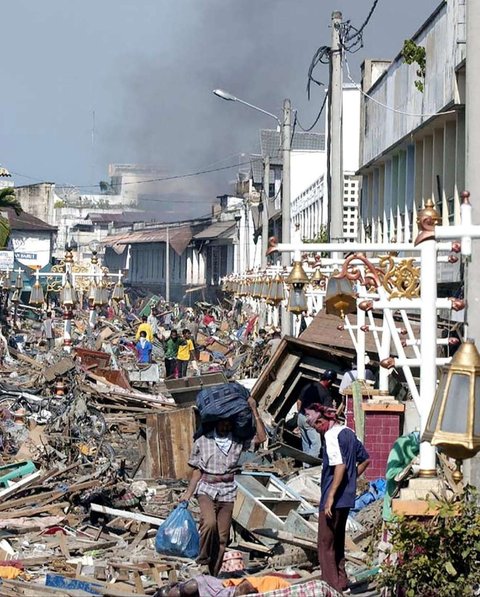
x: 178, y: 535
x: 376, y: 491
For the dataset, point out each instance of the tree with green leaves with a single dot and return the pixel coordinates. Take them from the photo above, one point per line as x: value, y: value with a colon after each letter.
x: 439, y: 556
x: 7, y: 199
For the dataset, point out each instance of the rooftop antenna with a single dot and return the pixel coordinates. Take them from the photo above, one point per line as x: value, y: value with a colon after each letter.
x: 92, y: 173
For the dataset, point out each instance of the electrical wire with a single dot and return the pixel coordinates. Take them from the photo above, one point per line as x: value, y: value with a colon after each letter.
x: 386, y: 106
x: 321, y: 56
x: 162, y: 179
x: 322, y: 107
x: 351, y: 38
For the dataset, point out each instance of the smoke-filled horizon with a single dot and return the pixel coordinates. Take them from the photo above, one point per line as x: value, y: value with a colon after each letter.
x: 147, y: 68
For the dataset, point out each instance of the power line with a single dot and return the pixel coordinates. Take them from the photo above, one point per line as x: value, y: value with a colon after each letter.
x: 178, y: 176
x: 161, y: 179
x: 351, y: 38
x: 306, y: 130
x: 321, y: 56
x: 386, y: 106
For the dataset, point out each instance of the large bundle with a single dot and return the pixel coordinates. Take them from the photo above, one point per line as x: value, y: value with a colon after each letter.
x: 227, y: 401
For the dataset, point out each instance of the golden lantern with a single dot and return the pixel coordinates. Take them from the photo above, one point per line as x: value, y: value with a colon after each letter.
x: 318, y: 280
x: 68, y: 296
x: 7, y: 283
x: 340, y: 298
x: 297, y: 280
x: 241, y: 287
x: 265, y: 287
x: 454, y: 420
x: 276, y: 291
x: 36, y: 295
x: 118, y: 293
x: 19, y: 282
x: 92, y: 291
x: 256, y: 288
x: 105, y: 289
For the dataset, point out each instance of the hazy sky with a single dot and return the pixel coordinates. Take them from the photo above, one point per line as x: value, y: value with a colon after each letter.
x: 147, y: 69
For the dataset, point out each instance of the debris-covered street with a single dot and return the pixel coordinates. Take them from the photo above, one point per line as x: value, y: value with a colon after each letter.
x: 95, y: 451
x: 239, y: 298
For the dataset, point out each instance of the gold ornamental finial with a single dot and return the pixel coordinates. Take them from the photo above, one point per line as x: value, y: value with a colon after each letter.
x: 427, y: 219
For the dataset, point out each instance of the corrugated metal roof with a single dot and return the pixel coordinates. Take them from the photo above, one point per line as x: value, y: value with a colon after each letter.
x: 217, y: 230
x: 324, y: 330
x: 26, y: 221
x: 270, y: 143
x: 118, y: 217
x: 257, y: 171
x: 178, y: 237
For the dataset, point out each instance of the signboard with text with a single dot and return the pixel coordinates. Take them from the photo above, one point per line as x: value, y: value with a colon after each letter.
x: 6, y: 260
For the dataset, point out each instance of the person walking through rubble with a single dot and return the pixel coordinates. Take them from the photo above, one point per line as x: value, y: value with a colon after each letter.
x: 47, y: 331
x: 153, y: 322
x: 214, y: 459
x: 144, y: 348
x: 171, y: 347
x: 344, y: 460
x: 144, y: 327
x: 314, y: 392
x: 186, y: 353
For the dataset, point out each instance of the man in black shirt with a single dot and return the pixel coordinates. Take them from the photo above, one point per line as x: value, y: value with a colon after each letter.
x: 314, y: 392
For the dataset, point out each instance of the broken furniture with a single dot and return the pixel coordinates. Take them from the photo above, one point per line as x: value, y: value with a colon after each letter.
x: 184, y: 390
x: 264, y: 501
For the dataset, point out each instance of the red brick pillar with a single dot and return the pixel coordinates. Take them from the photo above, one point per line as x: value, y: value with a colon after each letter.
x: 383, y: 425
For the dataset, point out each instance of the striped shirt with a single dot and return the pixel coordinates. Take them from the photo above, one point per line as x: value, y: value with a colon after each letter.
x: 207, y: 457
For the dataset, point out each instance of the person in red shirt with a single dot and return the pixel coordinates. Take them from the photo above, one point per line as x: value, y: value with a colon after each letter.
x: 208, y: 318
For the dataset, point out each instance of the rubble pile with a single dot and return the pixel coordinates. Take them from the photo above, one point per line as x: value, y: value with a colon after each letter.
x: 94, y: 459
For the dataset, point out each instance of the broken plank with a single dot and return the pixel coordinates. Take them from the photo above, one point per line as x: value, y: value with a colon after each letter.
x: 285, y: 537
x: 48, y: 496
x: 128, y: 515
x: 27, y: 512
x: 19, y: 485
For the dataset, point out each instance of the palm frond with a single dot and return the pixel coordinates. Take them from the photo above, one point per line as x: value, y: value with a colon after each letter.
x: 9, y: 199
x: 4, y: 232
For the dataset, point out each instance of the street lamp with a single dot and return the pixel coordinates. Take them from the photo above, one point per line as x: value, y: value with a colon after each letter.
x: 231, y: 98
x: 454, y: 421
x: 285, y: 132
x: 286, y: 140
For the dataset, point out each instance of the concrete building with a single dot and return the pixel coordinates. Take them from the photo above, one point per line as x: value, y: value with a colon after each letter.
x: 79, y: 226
x: 39, y: 200
x: 83, y: 217
x: 31, y: 239
x: 307, y: 161
x: 413, y: 142
x: 200, y: 252
x: 310, y: 207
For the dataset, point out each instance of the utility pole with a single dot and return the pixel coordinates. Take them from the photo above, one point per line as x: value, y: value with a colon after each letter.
x: 265, y: 200
x: 167, y: 266
x: 286, y: 133
x: 335, y: 201
x: 472, y: 175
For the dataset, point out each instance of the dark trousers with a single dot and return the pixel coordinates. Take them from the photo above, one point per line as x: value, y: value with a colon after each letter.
x: 170, y: 366
x: 331, y: 547
x: 215, y: 522
x: 182, y: 368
